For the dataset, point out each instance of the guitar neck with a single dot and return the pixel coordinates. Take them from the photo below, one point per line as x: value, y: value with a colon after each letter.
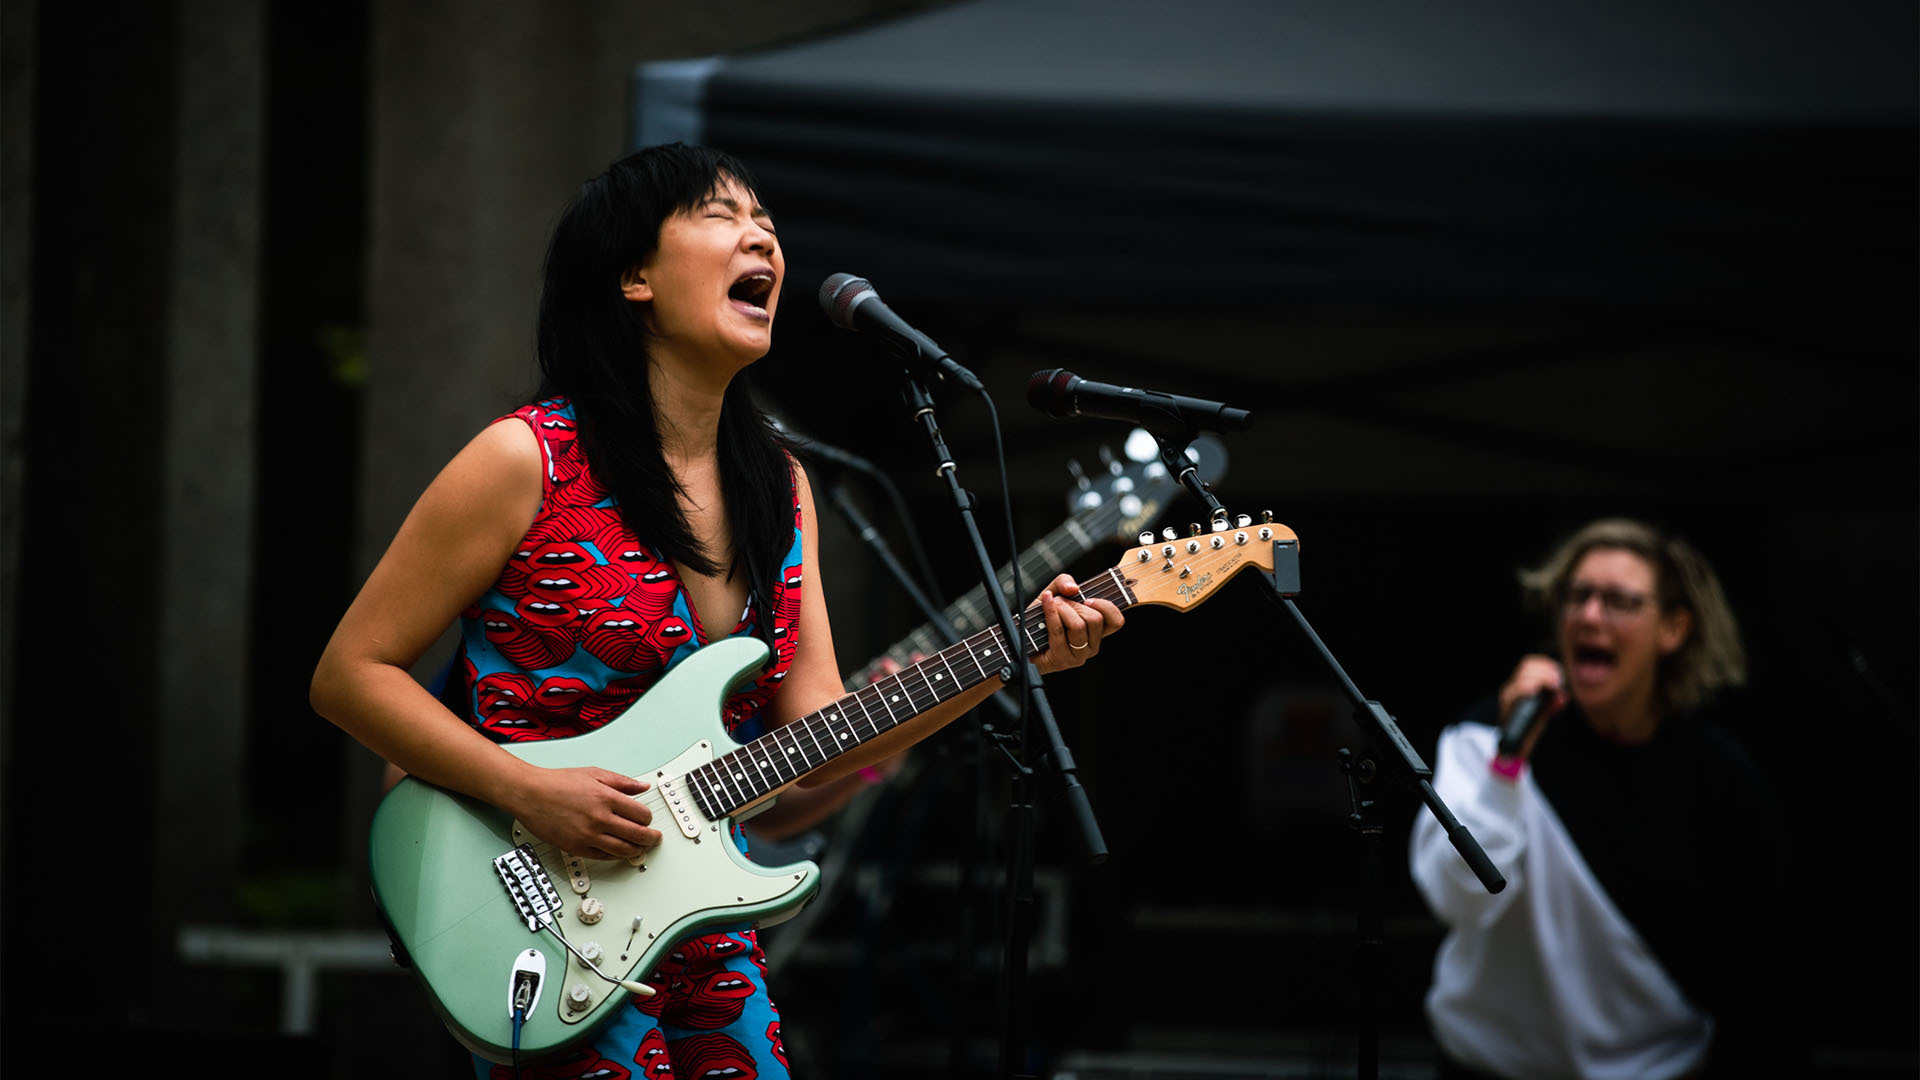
x: 736, y: 779
x: 972, y: 611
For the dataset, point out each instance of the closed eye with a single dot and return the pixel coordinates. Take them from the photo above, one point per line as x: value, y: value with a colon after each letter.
x: 722, y: 207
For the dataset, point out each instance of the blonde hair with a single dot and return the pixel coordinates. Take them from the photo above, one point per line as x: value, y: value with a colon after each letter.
x: 1711, y: 657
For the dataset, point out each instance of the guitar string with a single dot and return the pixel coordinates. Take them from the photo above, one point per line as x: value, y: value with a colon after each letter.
x: 968, y: 606
x: 728, y: 769
x: 1107, y: 585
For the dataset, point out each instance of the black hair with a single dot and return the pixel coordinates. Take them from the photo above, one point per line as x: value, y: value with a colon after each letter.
x: 593, y: 348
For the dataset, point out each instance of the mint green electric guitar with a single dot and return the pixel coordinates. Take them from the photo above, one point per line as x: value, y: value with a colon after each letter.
x: 498, y: 924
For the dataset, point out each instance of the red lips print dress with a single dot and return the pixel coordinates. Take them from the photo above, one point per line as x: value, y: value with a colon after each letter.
x: 584, y: 618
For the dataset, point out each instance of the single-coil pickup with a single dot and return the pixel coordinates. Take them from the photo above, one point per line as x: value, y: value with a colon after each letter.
x: 680, y: 805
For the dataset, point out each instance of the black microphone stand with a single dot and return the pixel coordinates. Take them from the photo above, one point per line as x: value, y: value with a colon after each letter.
x: 1021, y: 813
x: 877, y: 543
x: 1383, y: 742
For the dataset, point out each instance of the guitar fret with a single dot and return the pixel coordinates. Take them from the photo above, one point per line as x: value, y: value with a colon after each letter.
x: 752, y: 784
x: 849, y: 729
x: 792, y: 746
x: 882, y: 696
x: 837, y: 715
x: 914, y: 696
x: 732, y: 779
x: 815, y: 736
x: 1082, y: 530
x: 769, y: 763
x: 953, y: 679
x: 924, y: 642
x: 1052, y: 558
x: 888, y: 703
x: 716, y: 781
x: 698, y: 790
x: 968, y: 619
x: 752, y: 771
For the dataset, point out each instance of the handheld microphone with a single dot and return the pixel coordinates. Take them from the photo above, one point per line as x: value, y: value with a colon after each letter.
x: 1528, y: 713
x: 851, y: 304
x: 1061, y: 393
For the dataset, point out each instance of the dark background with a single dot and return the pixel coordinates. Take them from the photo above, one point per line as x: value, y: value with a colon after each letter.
x: 404, y: 163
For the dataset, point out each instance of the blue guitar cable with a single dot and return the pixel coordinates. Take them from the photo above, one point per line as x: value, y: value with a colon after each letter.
x: 522, y: 997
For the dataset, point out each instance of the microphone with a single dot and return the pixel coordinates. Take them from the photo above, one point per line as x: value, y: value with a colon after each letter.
x: 851, y: 304
x: 1528, y: 713
x: 1061, y: 393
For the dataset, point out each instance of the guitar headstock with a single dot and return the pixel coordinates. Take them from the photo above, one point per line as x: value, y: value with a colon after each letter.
x: 1123, y: 497
x: 1181, y: 571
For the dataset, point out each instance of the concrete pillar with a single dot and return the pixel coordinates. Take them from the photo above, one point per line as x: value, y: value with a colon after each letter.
x: 208, y: 476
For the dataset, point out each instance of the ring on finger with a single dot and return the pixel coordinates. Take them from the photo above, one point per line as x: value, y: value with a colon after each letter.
x: 1071, y: 645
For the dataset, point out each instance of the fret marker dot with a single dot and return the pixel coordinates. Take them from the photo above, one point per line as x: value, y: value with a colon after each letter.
x: 896, y: 697
x: 937, y: 676
x: 843, y: 737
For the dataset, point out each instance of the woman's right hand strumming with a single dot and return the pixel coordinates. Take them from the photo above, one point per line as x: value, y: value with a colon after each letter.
x: 586, y: 811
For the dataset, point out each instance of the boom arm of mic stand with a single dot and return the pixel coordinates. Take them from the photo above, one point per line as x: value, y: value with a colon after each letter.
x: 806, y: 446
x: 1385, y: 735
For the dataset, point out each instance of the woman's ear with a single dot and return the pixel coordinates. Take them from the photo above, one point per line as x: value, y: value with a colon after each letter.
x: 1673, y: 630
x: 633, y: 285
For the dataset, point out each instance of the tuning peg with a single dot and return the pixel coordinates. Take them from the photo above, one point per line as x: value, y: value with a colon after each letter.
x: 1266, y: 517
x: 1243, y: 521
x: 1170, y: 533
x: 1193, y: 528
x: 1146, y: 538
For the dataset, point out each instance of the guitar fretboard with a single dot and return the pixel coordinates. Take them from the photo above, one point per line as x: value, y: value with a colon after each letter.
x: 733, y: 780
x: 1072, y: 539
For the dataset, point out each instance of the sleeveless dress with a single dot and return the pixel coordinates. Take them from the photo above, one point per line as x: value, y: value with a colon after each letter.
x: 584, y: 618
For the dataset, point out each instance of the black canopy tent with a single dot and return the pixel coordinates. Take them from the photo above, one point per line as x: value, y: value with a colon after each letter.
x: 1420, y: 216
x: 1233, y: 151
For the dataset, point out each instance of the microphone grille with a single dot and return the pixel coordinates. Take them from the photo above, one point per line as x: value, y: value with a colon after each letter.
x: 837, y: 295
x: 1051, y: 391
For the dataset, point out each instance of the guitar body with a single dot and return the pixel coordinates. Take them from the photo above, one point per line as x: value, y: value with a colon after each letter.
x: 432, y: 858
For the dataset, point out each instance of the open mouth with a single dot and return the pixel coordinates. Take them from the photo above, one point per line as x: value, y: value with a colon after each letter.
x: 1591, y: 663
x: 751, y: 291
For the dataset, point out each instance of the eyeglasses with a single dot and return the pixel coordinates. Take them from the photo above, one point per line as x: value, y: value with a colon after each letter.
x: 1616, y: 603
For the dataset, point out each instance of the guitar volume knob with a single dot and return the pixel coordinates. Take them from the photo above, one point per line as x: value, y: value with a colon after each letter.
x: 579, y: 998
x: 591, y: 910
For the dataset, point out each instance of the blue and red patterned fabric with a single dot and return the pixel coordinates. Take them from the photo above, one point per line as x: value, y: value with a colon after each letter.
x: 584, y: 618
